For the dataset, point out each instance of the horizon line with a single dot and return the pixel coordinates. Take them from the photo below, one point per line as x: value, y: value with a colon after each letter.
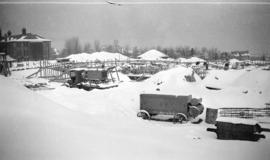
x: 120, y: 3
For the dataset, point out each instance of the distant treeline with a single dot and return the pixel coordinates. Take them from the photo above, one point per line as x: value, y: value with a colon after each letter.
x: 73, y: 46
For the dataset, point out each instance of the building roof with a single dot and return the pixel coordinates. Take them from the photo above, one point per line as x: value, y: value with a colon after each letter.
x: 28, y: 37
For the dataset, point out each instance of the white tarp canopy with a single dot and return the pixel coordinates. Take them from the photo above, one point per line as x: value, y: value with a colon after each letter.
x: 194, y: 60
x: 153, y: 55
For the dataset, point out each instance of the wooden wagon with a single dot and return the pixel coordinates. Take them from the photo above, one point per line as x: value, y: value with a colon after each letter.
x: 169, y: 107
x: 238, y: 129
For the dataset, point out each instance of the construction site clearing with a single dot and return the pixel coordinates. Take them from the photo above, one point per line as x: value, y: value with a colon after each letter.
x: 177, y: 103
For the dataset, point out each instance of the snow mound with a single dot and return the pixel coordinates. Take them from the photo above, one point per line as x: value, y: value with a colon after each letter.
x: 255, y: 80
x: 173, y: 81
x: 80, y: 57
x: 153, y: 55
x: 221, y: 78
x: 239, y: 88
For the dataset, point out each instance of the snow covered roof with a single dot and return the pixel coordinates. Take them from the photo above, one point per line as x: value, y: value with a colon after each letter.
x: 237, y: 120
x: 97, y: 56
x: 153, y: 55
x: 29, y: 37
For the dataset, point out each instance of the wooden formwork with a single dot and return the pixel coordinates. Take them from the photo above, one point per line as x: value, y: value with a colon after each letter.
x: 55, y: 71
x: 244, y: 112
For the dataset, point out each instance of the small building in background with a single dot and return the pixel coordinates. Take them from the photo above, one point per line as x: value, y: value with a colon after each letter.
x: 25, y: 46
x: 240, y: 55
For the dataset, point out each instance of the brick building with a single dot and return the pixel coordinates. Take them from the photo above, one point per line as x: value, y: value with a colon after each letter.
x: 25, y: 46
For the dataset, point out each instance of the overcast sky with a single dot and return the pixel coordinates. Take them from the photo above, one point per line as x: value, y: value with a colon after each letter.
x: 225, y: 26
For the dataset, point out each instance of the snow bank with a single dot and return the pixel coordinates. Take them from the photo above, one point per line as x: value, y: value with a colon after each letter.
x: 239, y: 88
x: 173, y: 81
x: 80, y: 57
x: 237, y: 120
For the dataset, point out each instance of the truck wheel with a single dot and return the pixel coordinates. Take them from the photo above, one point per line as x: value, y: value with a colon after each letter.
x: 144, y: 114
x: 179, y: 117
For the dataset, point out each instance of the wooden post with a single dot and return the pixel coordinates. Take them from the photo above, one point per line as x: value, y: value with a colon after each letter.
x: 40, y: 68
x: 116, y: 71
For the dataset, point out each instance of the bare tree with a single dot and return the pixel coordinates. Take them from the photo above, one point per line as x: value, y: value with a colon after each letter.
x: 109, y: 48
x: 135, y: 52
x: 72, y: 46
x: 127, y: 50
x: 116, y: 47
x: 87, y: 48
x: 213, y: 53
x: 97, y: 46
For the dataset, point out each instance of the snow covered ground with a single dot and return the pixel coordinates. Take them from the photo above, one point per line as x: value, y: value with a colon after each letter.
x: 70, y: 123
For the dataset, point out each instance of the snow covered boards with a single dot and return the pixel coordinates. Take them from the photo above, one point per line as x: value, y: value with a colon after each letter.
x: 38, y: 86
x: 244, y: 112
x: 177, y: 108
x: 238, y: 129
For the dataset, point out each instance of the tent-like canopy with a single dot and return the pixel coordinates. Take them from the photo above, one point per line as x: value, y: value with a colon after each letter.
x: 194, y: 60
x: 153, y: 55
